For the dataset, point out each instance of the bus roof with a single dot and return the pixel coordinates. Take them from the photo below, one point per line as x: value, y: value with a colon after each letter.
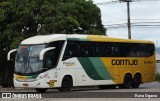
x: 41, y: 39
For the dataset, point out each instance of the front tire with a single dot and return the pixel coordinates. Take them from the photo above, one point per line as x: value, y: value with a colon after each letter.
x: 66, y: 84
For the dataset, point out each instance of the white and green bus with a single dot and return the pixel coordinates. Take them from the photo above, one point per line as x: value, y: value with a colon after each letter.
x: 64, y: 61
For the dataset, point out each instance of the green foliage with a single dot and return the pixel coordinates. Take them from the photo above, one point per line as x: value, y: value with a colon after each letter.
x: 157, y: 78
x: 20, y: 19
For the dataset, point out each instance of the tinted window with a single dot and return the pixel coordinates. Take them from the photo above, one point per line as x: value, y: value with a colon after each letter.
x: 70, y: 50
x: 53, y: 55
x: 107, y: 49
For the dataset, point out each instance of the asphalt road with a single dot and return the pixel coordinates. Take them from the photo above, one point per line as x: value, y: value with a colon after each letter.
x: 147, y: 90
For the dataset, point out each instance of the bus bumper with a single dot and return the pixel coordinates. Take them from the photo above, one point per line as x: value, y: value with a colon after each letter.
x: 34, y: 84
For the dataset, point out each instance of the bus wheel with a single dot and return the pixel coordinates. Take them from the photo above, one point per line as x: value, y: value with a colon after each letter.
x: 66, y: 84
x: 41, y: 90
x: 127, y: 82
x: 136, y: 81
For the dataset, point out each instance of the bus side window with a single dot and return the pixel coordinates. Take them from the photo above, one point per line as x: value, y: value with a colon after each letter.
x: 70, y: 50
x: 107, y: 51
x: 112, y: 50
x: 98, y: 49
x: 149, y: 50
x: 83, y: 49
x: 121, y: 50
x: 133, y: 50
x: 141, y: 49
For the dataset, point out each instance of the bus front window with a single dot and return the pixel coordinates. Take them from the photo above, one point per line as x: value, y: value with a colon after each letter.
x: 27, y: 59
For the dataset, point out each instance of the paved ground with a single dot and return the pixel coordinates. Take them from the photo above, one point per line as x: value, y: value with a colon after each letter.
x: 93, y: 94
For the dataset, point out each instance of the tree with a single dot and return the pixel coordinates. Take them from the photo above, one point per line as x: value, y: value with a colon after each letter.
x: 20, y: 19
x: 80, y: 16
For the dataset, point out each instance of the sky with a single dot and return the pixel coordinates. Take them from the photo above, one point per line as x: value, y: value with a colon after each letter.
x: 142, y: 13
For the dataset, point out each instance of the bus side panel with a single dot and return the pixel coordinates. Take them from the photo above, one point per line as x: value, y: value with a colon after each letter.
x: 96, y: 70
x: 73, y: 67
x: 117, y: 70
x: 82, y: 78
x: 104, y: 71
x: 62, y: 72
x: 119, y: 67
x: 148, y: 69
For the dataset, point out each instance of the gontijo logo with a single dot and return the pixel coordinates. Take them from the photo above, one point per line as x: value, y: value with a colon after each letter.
x: 124, y: 62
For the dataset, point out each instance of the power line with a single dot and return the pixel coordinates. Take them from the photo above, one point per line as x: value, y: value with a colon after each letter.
x: 115, y: 21
x: 137, y: 25
x: 158, y: 19
x: 147, y: 0
x: 104, y: 3
x: 147, y: 19
x: 121, y: 1
x: 133, y: 23
x: 112, y: 28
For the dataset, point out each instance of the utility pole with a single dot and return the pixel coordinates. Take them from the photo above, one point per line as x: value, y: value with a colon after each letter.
x: 128, y: 16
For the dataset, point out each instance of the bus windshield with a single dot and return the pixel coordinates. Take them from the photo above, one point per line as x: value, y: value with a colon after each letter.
x: 27, y: 59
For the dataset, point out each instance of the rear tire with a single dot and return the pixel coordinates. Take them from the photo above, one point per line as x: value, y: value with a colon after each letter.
x: 127, y: 83
x: 66, y: 84
x: 41, y: 90
x: 136, y: 81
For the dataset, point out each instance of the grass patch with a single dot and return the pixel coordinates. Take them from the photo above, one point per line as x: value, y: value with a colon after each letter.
x: 157, y: 78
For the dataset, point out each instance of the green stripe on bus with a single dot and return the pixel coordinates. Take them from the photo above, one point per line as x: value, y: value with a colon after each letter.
x: 100, y: 68
x: 84, y: 39
x: 95, y: 68
x: 89, y: 68
x: 73, y: 39
x: 78, y: 39
x: 32, y: 77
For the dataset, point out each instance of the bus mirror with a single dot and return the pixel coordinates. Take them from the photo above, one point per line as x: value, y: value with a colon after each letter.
x: 9, y: 54
x: 41, y: 55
